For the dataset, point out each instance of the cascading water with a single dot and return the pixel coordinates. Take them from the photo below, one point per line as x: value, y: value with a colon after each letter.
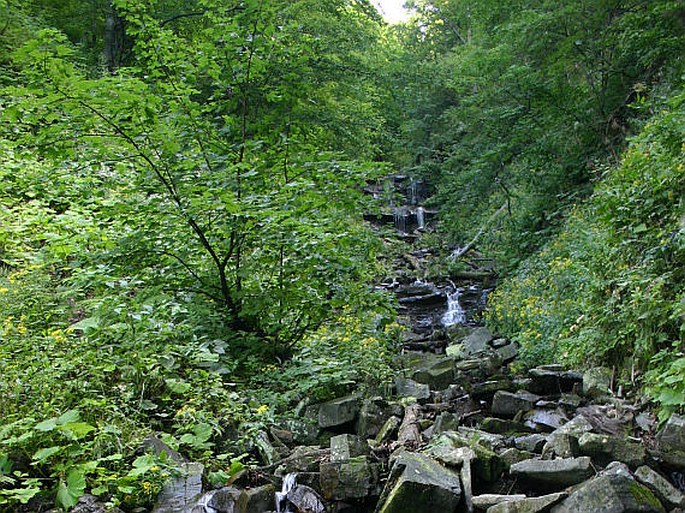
x: 414, y: 192
x: 289, y: 482
x: 400, y: 219
x: 455, y: 313
x: 421, y: 218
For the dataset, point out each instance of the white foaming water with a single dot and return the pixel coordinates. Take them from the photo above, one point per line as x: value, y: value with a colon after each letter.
x: 420, y: 218
x: 289, y: 482
x: 455, y: 313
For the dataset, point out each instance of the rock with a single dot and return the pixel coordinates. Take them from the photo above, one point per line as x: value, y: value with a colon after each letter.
x: 180, y: 492
x: 153, y: 444
x: 597, y: 382
x: 224, y: 500
x: 420, y: 485
x: 446, y: 421
x: 552, y: 474
x: 611, y: 494
x: 562, y: 445
x: 457, y: 332
x: 532, y: 443
x: 604, y: 449
x: 410, y: 388
x: 513, y: 455
x: 306, y: 500
x: 671, y: 441
x: 476, y: 344
x: 338, y: 411
x: 355, y: 478
x: 545, y: 420
x: 488, y: 500
x: 499, y: 342
x: 507, y: 353
x: 529, y: 505
x: 616, y: 468
x: 257, y: 500
x: 90, y: 504
x: 552, y: 380
x: 388, y: 430
x: 304, y: 430
x: 435, y: 371
x: 284, y: 436
x: 345, y: 447
x: 503, y: 427
x: 267, y: 451
x: 646, y: 421
x: 506, y: 404
x: 668, y: 494
x: 453, y: 447
x: 570, y: 402
x: 372, y: 415
x: 486, y: 389
x: 575, y: 427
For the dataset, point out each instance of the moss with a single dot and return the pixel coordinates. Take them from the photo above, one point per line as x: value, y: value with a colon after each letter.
x: 642, y: 495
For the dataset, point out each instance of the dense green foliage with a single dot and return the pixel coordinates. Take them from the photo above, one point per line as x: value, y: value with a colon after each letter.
x: 182, y: 248
x: 183, y: 253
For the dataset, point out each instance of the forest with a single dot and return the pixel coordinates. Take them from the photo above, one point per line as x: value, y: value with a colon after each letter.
x: 199, y: 238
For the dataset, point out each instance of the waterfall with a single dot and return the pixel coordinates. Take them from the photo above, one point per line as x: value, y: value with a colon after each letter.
x: 400, y: 219
x: 414, y: 192
x: 289, y: 482
x: 421, y: 218
x: 455, y: 313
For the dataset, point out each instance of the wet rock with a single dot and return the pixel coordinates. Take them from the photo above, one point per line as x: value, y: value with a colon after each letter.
x: 532, y: 443
x: 457, y: 332
x: 488, y: 500
x: 506, y: 404
x: 552, y: 474
x: 306, y: 500
x: 597, y: 382
x: 671, y: 441
x: 338, y: 411
x: 181, y: 492
x: 409, y: 388
x: 545, y: 420
x: 224, y: 500
x: 668, y: 494
x: 345, y: 447
x: 257, y: 500
x: 355, y: 478
x: 528, y: 505
x: 612, y: 494
x: 604, y: 449
x: 420, y: 485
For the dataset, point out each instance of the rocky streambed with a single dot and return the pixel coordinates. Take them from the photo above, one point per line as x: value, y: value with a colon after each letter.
x: 459, y: 433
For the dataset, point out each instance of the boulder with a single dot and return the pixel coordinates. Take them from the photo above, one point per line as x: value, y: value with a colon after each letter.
x: 545, y: 420
x: 502, y: 426
x: 552, y: 380
x: 671, y: 441
x: 410, y: 388
x: 562, y: 445
x: 531, y: 443
x: 91, y: 504
x: 488, y: 500
x: 506, y: 404
x: 267, y: 452
x: 452, y: 448
x: 597, y: 382
x: 528, y: 505
x: 668, y: 494
x: 576, y: 427
x: 420, y: 485
x: 355, y: 478
x: 486, y: 389
x: 477, y: 343
x: 338, y: 411
x: 552, y: 474
x: 446, y: 421
x: 435, y: 371
x: 372, y: 415
x: 305, y: 499
x: 610, y: 494
x: 507, y: 353
x: 345, y: 447
x: 388, y: 430
x: 603, y: 449
x: 180, y: 492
